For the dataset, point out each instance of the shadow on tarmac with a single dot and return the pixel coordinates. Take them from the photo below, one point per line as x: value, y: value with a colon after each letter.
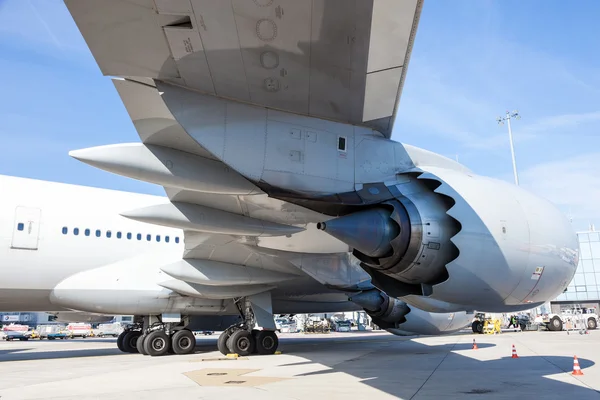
x: 398, y: 366
x: 404, y: 367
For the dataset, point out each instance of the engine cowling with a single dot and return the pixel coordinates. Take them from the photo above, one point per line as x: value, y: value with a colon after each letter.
x: 397, y: 317
x: 451, y: 241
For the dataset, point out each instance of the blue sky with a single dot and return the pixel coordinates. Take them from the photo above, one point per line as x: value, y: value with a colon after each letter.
x: 472, y: 61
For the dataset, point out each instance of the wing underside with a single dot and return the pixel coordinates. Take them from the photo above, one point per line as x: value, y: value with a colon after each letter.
x: 229, y: 224
x: 343, y: 60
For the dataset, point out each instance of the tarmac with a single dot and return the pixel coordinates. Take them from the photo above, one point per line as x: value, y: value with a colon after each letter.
x: 371, y: 365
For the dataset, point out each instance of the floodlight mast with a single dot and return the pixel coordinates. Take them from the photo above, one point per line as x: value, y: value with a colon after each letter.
x: 507, y: 118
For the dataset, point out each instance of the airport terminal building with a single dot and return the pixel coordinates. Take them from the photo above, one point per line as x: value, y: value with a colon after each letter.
x: 584, y: 289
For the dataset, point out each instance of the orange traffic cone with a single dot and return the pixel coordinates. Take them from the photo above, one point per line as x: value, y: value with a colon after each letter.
x: 514, y: 352
x: 474, y: 345
x: 576, y: 368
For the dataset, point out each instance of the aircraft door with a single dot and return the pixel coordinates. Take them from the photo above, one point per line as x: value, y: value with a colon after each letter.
x: 26, y: 229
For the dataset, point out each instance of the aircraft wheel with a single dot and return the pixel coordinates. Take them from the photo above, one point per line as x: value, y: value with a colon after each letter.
x: 222, y: 343
x: 266, y: 342
x: 241, y: 342
x: 120, y: 341
x: 183, y: 342
x: 139, y: 344
x: 157, y: 343
x: 130, y: 341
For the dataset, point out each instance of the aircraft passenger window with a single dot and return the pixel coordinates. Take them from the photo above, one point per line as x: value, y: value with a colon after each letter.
x: 129, y: 235
x: 148, y: 237
x: 118, y: 235
x: 87, y: 232
x: 108, y: 234
x: 167, y: 239
x: 158, y: 238
x: 176, y: 240
x: 76, y: 231
x: 139, y: 236
x: 98, y: 233
x: 20, y: 226
x: 65, y: 230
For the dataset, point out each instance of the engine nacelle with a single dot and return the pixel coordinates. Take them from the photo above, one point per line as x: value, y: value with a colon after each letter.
x: 451, y: 241
x: 397, y: 317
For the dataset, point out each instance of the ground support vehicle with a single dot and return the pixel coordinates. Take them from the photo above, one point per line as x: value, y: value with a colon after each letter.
x: 52, y: 332
x: 577, y: 317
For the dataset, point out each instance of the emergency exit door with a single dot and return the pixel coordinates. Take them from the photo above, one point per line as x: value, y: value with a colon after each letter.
x: 26, y: 229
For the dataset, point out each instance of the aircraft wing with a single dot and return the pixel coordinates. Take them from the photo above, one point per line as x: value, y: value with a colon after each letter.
x: 229, y: 224
x: 343, y: 60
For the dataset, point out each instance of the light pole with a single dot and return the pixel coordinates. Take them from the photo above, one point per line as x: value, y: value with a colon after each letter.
x: 507, y: 118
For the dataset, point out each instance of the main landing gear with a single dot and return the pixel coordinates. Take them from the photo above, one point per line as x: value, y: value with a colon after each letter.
x: 238, y: 339
x: 256, y: 334
x: 157, y: 338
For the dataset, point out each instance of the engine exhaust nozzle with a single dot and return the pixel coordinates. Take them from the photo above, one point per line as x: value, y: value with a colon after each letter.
x: 369, y: 231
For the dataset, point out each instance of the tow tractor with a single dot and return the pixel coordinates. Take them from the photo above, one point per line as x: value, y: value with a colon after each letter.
x: 584, y: 317
x: 486, y: 323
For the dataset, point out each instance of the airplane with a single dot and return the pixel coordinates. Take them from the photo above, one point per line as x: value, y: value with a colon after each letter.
x: 73, y: 251
x: 269, y: 125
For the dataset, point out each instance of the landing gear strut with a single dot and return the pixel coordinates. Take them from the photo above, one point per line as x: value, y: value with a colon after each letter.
x: 154, y: 338
x: 242, y: 338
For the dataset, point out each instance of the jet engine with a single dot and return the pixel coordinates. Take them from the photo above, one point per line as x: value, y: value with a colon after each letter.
x: 445, y: 240
x: 397, y: 317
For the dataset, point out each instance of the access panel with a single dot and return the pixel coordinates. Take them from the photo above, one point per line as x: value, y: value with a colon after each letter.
x: 26, y: 228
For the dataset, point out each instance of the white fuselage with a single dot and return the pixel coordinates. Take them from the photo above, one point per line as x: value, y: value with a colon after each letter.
x: 66, y: 247
x: 50, y: 231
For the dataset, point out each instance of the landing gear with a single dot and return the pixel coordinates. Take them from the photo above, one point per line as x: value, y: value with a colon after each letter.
x: 222, y: 342
x: 244, y: 342
x: 140, y: 345
x: 241, y: 342
x: 129, y: 341
x: 183, y: 342
x: 150, y: 336
x: 241, y: 338
x: 266, y: 342
x: 157, y: 343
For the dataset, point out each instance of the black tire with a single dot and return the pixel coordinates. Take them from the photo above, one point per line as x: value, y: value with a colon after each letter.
x: 139, y: 344
x: 157, y: 343
x: 130, y: 341
x: 591, y: 324
x: 555, y: 324
x: 183, y: 342
x: 222, y: 343
x: 120, y: 341
x: 266, y: 342
x: 477, y: 327
x: 241, y: 342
